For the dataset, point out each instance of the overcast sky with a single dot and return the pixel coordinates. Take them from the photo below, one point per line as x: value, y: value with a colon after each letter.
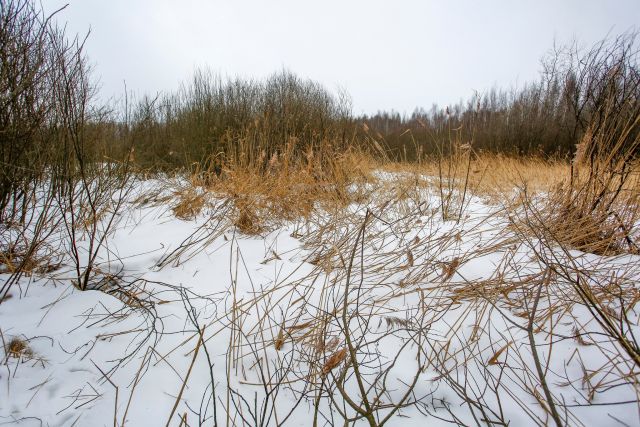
x: 386, y: 54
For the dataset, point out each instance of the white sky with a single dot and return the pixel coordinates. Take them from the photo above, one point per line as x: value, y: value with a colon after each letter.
x: 386, y: 54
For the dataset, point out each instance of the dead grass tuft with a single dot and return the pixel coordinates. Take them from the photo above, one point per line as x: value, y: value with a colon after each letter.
x: 248, y: 220
x: 596, y: 209
x: 288, y: 189
x: 595, y: 230
x: 18, y: 349
x: 16, y: 258
x: 189, y: 203
x: 12, y: 260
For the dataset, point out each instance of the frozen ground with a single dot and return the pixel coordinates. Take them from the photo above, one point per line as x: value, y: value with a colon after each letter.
x: 433, y: 321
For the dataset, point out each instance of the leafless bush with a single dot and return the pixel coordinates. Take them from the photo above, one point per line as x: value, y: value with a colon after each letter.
x: 210, y: 121
x: 52, y: 169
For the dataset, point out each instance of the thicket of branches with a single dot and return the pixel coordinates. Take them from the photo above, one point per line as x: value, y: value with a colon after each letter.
x: 210, y: 120
x: 54, y: 172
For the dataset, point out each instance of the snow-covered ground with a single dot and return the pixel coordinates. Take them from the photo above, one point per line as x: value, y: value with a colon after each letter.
x: 191, y: 322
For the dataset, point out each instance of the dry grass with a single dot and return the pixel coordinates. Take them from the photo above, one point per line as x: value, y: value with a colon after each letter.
x: 430, y: 269
x: 18, y: 348
x: 10, y: 262
x: 499, y: 174
x: 495, y: 174
x: 599, y: 231
x: 334, y: 360
x: 17, y: 258
x: 287, y: 189
x: 189, y: 203
x: 475, y: 348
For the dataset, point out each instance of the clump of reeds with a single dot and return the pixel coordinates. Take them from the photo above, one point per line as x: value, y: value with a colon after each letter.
x: 189, y: 203
x: 288, y: 187
x: 598, y: 208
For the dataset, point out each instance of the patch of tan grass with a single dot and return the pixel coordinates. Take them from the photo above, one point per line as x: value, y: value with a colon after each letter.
x: 600, y: 220
x: 189, y: 203
x: 14, y: 260
x: 11, y: 261
x: 287, y: 190
x: 496, y: 174
x: 248, y: 221
x: 18, y: 348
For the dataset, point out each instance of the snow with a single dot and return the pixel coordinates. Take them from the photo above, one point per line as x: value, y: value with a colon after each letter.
x: 441, y: 301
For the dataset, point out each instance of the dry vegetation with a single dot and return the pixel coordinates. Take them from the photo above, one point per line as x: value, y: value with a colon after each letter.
x: 390, y: 232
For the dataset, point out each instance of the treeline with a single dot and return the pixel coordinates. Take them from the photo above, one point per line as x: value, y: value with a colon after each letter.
x: 252, y: 121
x: 578, y: 92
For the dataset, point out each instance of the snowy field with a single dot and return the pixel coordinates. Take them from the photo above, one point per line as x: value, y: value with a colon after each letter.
x: 381, y: 311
